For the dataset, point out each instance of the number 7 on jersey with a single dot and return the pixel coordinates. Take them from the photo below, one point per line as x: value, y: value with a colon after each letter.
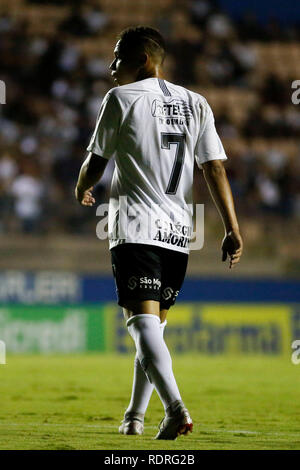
x: 179, y: 140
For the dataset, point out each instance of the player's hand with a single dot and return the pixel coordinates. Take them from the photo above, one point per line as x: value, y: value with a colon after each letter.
x: 85, y: 198
x: 232, y: 246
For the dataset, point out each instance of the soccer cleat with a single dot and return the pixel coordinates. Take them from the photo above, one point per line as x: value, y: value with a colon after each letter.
x: 176, y: 422
x: 133, y: 423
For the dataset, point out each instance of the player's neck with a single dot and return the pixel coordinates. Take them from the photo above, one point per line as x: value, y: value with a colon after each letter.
x: 154, y: 72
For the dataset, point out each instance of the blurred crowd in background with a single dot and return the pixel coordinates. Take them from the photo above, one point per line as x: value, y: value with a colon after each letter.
x: 55, y: 87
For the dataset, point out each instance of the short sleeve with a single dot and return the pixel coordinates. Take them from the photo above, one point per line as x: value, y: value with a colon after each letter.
x: 104, y: 139
x: 209, y: 146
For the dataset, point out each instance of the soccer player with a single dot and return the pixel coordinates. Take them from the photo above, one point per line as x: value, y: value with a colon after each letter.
x: 155, y: 130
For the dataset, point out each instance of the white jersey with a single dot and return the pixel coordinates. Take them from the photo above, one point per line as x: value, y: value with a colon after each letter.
x: 155, y: 130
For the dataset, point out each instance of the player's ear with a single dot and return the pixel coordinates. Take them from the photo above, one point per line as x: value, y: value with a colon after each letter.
x: 143, y: 59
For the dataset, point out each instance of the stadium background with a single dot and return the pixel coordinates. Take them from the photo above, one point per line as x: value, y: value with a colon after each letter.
x: 56, y: 289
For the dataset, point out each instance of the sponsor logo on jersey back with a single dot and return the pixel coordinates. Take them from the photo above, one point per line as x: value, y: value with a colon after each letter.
x: 175, y: 111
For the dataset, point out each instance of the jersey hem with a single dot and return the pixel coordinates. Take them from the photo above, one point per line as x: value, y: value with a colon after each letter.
x: 186, y: 251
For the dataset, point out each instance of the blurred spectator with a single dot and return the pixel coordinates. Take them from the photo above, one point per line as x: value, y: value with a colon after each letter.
x: 27, y: 190
x: 219, y: 26
x: 249, y: 28
x: 274, y: 90
x: 84, y: 21
x: 245, y: 60
x: 75, y: 23
x: 95, y: 18
x: 8, y: 169
x: 200, y: 10
x: 226, y: 127
x: 268, y: 191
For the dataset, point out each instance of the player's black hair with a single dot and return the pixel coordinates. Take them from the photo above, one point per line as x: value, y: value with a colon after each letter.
x: 148, y: 38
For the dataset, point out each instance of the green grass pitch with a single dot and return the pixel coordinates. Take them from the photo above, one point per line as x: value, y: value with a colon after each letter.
x: 77, y: 402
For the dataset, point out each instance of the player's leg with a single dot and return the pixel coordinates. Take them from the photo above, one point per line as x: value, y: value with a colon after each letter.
x: 141, y: 392
x: 177, y: 419
x: 144, y: 327
x: 155, y: 360
x: 142, y: 389
x: 132, y: 265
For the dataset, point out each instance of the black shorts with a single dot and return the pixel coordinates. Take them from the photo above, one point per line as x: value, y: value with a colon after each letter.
x: 148, y: 272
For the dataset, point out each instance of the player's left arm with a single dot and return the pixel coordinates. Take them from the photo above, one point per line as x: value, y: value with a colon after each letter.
x: 209, y: 154
x: 219, y: 187
x: 90, y: 173
x: 101, y: 148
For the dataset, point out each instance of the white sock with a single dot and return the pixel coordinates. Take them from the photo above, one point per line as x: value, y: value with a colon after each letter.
x: 141, y: 388
x: 154, y: 356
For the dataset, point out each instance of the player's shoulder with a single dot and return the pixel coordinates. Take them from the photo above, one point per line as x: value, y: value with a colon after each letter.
x: 112, y: 93
x: 196, y: 102
x: 112, y: 99
x: 186, y: 93
x: 124, y: 94
x: 120, y: 91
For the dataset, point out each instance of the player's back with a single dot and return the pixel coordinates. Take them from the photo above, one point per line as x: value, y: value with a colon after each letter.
x: 155, y: 130
x: 157, y: 138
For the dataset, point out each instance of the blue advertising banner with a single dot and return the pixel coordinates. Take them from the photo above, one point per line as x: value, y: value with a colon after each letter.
x: 59, y: 288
